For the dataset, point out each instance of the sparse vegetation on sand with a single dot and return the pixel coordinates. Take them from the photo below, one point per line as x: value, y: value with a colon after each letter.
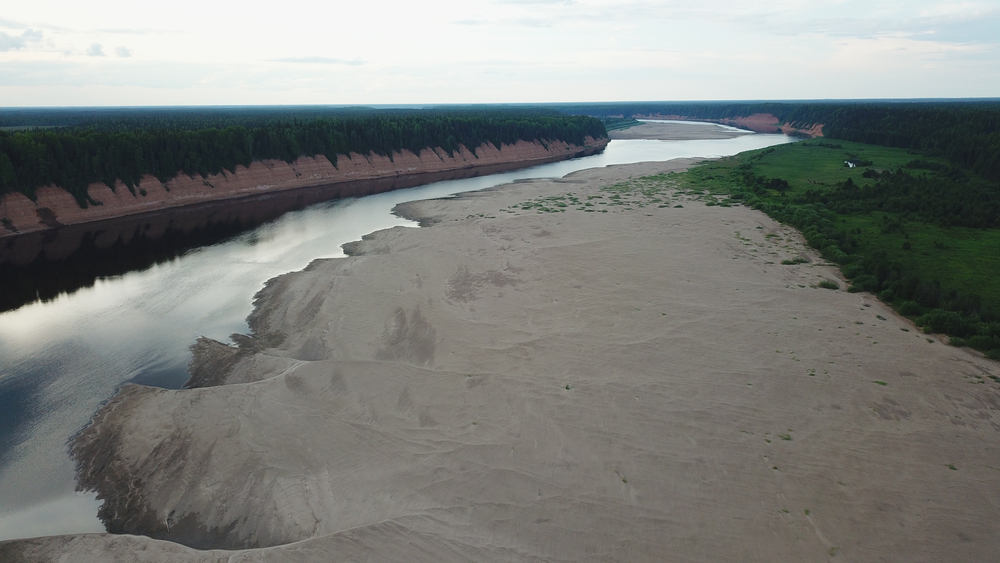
x: 659, y: 192
x: 915, y: 230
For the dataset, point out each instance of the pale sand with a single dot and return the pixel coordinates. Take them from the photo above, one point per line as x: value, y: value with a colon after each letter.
x: 565, y: 387
x: 675, y: 132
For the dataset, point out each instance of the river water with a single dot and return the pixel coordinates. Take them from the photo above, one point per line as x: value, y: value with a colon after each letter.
x: 61, y: 358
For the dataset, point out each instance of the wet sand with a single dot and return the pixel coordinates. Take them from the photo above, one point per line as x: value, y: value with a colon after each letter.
x: 537, y: 382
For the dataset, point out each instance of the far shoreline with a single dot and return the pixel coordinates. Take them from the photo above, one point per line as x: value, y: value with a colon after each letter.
x: 360, y: 175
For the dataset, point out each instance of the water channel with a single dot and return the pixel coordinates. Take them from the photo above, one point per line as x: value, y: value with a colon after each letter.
x: 60, y: 358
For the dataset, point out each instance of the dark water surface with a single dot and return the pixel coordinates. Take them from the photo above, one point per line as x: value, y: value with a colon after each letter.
x: 129, y: 298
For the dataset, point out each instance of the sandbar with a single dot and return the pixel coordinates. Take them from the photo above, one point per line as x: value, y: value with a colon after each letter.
x: 676, y: 131
x: 591, y: 368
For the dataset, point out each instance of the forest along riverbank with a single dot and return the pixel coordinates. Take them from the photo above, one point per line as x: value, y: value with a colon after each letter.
x: 54, y: 207
x: 593, y: 367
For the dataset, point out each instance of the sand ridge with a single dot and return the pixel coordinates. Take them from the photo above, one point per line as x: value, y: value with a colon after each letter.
x: 525, y: 381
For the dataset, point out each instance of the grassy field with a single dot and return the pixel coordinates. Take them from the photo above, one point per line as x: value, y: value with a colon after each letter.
x: 960, y: 258
x: 813, y: 164
x: 816, y: 163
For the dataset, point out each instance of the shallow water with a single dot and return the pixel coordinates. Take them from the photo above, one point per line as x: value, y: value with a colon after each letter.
x: 61, y: 358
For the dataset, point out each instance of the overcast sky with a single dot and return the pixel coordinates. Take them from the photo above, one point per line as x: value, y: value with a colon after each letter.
x: 110, y: 52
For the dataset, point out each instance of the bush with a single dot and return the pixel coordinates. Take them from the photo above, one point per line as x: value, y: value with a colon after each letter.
x: 828, y: 284
x: 980, y: 342
x: 834, y: 254
x: 957, y: 342
x: 948, y: 322
x: 852, y: 271
x: 865, y: 282
x: 910, y: 308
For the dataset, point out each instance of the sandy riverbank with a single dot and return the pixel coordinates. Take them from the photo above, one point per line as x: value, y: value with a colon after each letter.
x: 675, y: 132
x: 642, y: 384
x: 758, y: 123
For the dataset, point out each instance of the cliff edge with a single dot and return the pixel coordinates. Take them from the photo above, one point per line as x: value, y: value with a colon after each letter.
x: 758, y: 123
x: 55, y: 207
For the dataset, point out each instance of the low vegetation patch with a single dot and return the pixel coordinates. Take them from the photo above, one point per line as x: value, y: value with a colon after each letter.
x: 657, y: 191
x: 793, y: 261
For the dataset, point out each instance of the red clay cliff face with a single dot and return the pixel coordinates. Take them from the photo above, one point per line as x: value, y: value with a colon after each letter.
x: 758, y: 122
x: 54, y: 206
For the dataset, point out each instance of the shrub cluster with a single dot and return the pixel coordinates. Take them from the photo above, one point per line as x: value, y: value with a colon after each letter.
x: 950, y: 199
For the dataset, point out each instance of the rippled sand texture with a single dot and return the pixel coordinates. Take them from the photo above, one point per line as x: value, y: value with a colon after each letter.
x: 546, y: 383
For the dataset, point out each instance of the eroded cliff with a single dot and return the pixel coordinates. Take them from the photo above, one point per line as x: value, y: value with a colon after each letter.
x: 54, y: 206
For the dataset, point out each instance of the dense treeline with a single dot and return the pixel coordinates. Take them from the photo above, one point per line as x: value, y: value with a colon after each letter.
x: 613, y: 123
x: 122, y: 119
x: 126, y: 146
x: 966, y: 133
x: 793, y: 112
x: 934, y: 199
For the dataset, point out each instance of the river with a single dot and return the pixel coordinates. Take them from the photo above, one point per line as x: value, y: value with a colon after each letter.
x: 61, y: 358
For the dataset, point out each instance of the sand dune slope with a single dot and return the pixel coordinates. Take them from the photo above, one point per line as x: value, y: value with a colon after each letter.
x: 642, y: 384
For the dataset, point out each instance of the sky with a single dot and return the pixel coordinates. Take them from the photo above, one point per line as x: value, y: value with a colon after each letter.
x: 184, y: 52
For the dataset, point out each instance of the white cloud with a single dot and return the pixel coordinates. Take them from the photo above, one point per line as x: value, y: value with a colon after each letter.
x: 13, y: 42
x: 318, y: 60
x: 11, y: 24
x: 500, y: 51
x: 126, y: 31
x: 95, y: 50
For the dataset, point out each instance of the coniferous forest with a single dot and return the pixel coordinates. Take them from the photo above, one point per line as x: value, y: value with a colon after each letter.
x: 967, y: 134
x: 73, y: 148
